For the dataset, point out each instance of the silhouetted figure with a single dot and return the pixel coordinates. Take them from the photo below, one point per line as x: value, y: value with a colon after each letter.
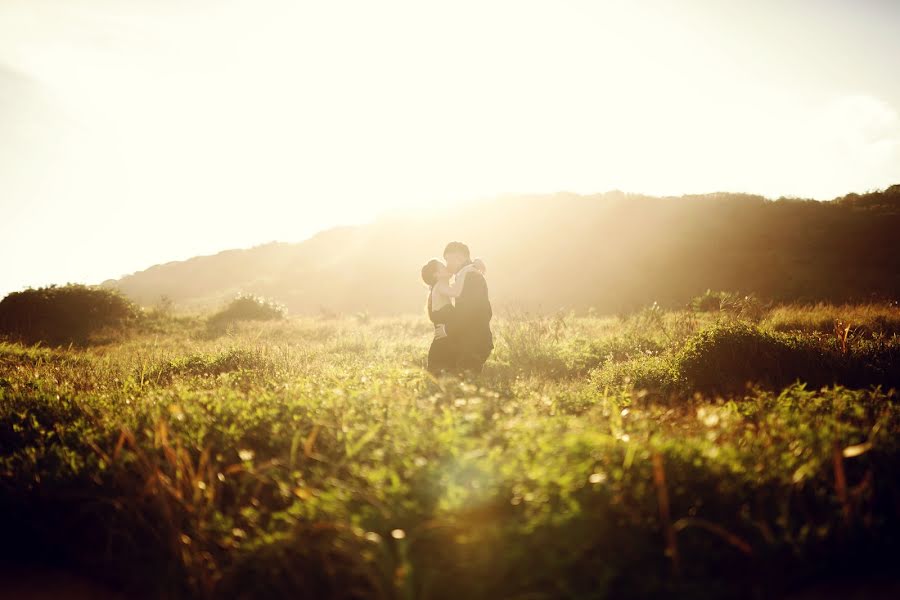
x: 444, y: 355
x: 471, y: 324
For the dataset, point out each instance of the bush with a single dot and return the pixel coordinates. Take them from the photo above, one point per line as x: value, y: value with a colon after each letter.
x: 743, y: 307
x: 710, y: 301
x: 246, y: 308
x: 728, y: 356
x: 747, y: 307
x: 656, y: 375
x: 72, y: 313
x: 582, y: 355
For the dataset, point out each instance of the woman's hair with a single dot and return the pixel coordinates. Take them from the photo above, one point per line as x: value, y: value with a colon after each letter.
x: 429, y: 271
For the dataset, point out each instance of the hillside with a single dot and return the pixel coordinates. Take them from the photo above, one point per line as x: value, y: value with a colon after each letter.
x: 610, y: 251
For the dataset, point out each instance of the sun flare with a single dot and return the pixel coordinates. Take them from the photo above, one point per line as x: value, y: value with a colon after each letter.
x: 272, y: 120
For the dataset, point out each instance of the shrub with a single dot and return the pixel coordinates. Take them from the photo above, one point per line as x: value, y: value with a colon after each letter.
x: 709, y: 301
x: 747, y: 307
x: 744, y: 307
x: 728, y: 356
x: 72, y: 313
x: 656, y: 375
x: 581, y: 355
x: 246, y: 308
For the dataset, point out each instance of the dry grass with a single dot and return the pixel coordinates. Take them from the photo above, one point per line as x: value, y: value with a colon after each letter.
x: 821, y: 318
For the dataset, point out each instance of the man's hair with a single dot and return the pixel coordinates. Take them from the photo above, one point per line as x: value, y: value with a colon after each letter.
x: 429, y: 271
x: 457, y: 247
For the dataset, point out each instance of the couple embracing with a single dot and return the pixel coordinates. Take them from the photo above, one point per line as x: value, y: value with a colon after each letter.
x: 460, y: 309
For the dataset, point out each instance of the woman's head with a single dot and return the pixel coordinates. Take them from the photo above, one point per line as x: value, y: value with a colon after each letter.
x: 434, y: 271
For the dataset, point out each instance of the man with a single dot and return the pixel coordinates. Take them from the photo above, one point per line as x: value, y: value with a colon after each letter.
x: 472, y: 315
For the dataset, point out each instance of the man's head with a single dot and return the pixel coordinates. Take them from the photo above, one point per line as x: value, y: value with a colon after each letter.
x: 457, y: 256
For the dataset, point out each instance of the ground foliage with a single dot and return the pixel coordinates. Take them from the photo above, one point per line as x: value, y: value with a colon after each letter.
x: 701, y: 454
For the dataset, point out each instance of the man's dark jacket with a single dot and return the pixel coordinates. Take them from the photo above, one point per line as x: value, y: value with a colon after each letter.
x: 473, y: 322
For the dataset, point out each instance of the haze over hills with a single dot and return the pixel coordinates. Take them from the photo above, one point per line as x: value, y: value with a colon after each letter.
x: 611, y: 251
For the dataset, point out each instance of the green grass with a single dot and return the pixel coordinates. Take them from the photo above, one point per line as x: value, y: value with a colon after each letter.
x: 316, y: 458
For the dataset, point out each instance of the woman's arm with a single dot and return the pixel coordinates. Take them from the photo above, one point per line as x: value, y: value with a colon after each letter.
x: 455, y: 289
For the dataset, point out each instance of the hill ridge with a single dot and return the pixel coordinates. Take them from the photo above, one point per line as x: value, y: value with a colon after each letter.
x: 611, y: 251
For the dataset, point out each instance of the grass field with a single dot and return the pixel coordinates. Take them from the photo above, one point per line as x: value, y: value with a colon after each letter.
x: 723, y: 454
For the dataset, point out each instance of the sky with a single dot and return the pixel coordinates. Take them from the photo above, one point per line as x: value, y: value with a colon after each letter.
x: 134, y: 132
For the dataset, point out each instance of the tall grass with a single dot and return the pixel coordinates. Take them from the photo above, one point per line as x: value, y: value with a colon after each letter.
x: 820, y: 318
x: 317, y: 458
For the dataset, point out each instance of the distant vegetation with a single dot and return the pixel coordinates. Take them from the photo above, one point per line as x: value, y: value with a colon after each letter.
x: 613, y: 252
x: 245, y: 308
x: 70, y: 314
x: 732, y: 451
